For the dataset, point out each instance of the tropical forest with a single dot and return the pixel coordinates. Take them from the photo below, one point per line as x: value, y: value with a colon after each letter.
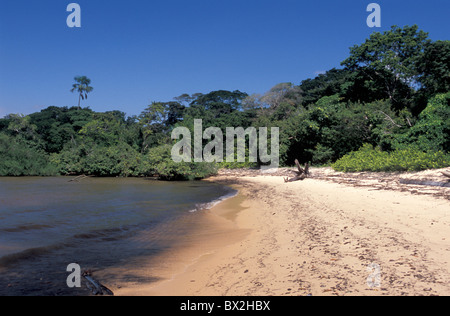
x: 386, y: 107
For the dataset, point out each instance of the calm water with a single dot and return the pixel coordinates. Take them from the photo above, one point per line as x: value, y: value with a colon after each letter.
x: 48, y: 223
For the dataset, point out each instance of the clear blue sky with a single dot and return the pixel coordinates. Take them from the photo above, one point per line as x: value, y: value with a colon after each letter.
x: 139, y: 51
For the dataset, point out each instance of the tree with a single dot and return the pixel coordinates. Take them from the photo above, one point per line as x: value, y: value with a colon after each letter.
x: 20, y: 125
x: 152, y: 121
x: 159, y: 162
x: 219, y: 102
x: 282, y: 93
x: 327, y: 84
x: 59, y: 125
x: 106, y: 129
x: 391, y: 59
x: 432, y: 130
x: 23, y: 130
x: 19, y: 159
x: 285, y: 92
x: 82, y: 87
x: 186, y: 99
x: 434, y: 68
x: 218, y: 109
x: 175, y: 112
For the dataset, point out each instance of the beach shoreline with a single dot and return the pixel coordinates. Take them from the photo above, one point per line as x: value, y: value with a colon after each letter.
x: 321, y: 236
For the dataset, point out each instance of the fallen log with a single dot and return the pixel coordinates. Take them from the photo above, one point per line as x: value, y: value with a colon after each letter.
x: 96, y: 287
x: 425, y: 183
x: 78, y: 178
x: 301, y: 174
x: 446, y: 173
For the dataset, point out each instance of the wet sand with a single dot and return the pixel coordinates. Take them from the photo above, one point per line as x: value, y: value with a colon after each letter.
x: 204, y: 235
x: 314, y: 237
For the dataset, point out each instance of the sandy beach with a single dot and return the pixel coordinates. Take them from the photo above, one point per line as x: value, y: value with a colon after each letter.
x: 331, y: 234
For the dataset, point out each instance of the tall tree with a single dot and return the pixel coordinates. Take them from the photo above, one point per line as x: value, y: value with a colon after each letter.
x: 280, y: 102
x: 392, y: 59
x: 152, y: 121
x: 327, y: 84
x: 434, y: 68
x: 82, y: 87
x: 21, y: 126
x: 220, y: 102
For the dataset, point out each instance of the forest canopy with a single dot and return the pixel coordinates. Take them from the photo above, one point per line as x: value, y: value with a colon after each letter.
x: 390, y: 95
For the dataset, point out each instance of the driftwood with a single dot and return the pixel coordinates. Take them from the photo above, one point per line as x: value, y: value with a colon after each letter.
x: 96, y: 287
x: 301, y: 174
x: 426, y: 183
x: 429, y: 182
x: 78, y: 178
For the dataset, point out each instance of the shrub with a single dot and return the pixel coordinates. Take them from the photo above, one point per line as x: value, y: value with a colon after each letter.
x: 159, y: 162
x: 321, y: 155
x: 92, y: 159
x: 18, y: 159
x: 411, y: 159
x: 237, y: 165
x: 432, y: 131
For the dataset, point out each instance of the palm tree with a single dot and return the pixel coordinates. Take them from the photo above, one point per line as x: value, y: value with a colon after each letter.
x: 82, y: 87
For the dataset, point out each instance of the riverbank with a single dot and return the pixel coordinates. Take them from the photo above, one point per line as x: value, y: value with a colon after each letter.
x: 326, y: 235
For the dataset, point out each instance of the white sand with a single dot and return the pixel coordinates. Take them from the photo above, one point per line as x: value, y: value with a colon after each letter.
x: 312, y: 237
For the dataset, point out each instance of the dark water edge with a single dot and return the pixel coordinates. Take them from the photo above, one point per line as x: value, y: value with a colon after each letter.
x: 41, y: 271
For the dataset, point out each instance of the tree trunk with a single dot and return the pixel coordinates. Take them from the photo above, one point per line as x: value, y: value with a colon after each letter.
x: 301, y: 174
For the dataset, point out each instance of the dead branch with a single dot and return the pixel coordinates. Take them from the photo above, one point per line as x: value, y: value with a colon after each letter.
x: 78, y: 178
x: 301, y: 174
x: 390, y: 119
x: 96, y: 287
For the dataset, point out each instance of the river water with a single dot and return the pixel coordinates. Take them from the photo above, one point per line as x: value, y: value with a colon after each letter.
x: 48, y: 223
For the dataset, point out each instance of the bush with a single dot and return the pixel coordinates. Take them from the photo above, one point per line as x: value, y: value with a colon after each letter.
x: 18, y: 159
x: 370, y: 159
x: 159, y: 162
x: 322, y: 155
x: 92, y: 159
x: 237, y: 165
x: 432, y: 131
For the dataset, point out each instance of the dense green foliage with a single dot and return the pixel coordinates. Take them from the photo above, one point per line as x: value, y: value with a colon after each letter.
x: 387, y: 109
x: 432, y: 130
x: 18, y: 159
x: 159, y: 161
x: 425, y: 145
x: 370, y: 159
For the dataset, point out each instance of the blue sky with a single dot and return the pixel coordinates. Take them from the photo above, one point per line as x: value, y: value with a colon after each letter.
x: 139, y: 51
